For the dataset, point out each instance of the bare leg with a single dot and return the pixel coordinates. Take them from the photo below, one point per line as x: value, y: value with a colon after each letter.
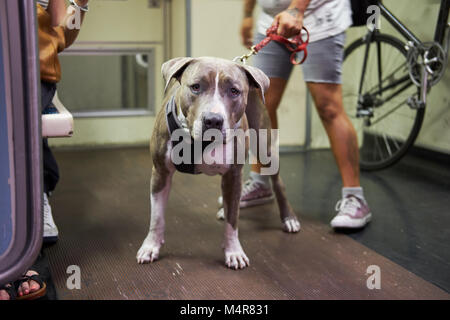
x: 235, y: 256
x: 344, y: 144
x: 160, y: 189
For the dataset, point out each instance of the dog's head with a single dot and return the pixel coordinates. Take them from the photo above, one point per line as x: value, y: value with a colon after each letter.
x: 213, y: 92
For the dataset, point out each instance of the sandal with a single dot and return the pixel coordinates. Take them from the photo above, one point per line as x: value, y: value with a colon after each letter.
x: 32, y: 295
x: 10, y: 290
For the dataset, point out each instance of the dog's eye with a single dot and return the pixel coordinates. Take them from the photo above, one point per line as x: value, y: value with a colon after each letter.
x: 235, y: 92
x: 195, y: 88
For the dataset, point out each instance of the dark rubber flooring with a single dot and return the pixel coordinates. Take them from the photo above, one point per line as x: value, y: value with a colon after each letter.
x: 410, y: 202
x: 101, y: 207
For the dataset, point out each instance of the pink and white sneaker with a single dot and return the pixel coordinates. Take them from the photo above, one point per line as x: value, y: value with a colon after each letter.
x: 254, y: 193
x: 353, y: 212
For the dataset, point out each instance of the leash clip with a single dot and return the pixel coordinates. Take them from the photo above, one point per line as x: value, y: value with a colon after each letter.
x: 243, y: 59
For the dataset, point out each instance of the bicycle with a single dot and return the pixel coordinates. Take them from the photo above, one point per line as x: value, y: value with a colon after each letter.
x: 387, y: 104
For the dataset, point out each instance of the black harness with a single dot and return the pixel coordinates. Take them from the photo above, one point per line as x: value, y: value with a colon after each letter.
x: 173, y: 123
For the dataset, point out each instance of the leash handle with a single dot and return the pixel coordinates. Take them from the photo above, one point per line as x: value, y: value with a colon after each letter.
x: 295, y: 45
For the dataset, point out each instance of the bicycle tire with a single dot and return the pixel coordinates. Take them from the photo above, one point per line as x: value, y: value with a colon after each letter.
x: 419, y: 115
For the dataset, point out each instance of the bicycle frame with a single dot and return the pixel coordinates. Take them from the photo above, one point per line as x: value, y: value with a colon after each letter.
x: 439, y: 36
x: 441, y: 24
x: 440, y: 29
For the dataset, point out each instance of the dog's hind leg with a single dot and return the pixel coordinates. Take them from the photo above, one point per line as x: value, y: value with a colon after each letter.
x: 287, y: 214
x: 235, y: 256
x: 258, y: 119
x: 160, y: 189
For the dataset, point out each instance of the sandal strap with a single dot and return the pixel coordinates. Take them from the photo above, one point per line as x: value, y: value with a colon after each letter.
x: 11, y: 290
x: 38, y: 279
x: 25, y: 278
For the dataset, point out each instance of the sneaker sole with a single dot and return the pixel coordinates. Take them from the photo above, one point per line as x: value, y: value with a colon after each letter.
x: 50, y: 240
x: 250, y: 203
x: 256, y: 202
x: 221, y: 215
x: 352, y: 223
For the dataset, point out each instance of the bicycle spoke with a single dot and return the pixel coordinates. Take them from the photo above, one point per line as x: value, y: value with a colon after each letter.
x: 387, y: 144
x: 388, y: 113
x: 372, y: 89
x: 396, y: 144
x: 377, y: 145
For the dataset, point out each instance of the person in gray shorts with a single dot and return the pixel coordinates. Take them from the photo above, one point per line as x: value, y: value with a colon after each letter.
x: 323, y: 64
x: 326, y: 21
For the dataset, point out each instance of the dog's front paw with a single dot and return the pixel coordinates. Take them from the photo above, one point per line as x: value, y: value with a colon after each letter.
x: 236, y: 259
x: 148, y: 252
x: 291, y: 225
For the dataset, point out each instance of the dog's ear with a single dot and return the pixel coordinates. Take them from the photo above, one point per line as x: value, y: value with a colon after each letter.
x: 257, y: 78
x: 174, y: 69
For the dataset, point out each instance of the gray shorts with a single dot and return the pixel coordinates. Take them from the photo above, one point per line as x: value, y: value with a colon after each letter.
x: 323, y: 64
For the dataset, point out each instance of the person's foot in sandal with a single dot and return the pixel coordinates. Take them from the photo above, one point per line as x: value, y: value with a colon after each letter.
x: 30, y: 286
x: 7, y: 292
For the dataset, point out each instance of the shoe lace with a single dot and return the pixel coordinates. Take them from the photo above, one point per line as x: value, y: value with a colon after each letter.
x: 250, y: 185
x: 348, y: 205
x: 47, y: 213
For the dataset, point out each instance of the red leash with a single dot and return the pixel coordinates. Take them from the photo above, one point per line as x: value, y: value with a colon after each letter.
x: 295, y: 45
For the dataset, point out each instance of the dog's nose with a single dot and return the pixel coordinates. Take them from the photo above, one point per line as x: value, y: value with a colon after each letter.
x: 212, y: 120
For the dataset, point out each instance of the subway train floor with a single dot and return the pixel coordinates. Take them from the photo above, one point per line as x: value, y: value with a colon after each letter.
x: 101, y: 207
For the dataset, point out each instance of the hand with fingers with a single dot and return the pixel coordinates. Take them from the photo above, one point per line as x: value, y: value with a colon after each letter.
x: 290, y: 22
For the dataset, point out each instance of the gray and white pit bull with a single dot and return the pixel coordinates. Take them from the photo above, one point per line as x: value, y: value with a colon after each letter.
x: 227, y: 95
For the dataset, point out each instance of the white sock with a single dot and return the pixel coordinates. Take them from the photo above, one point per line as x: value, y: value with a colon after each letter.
x: 264, y: 179
x: 355, y: 191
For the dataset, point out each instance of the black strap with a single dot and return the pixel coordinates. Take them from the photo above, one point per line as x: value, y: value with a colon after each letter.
x: 173, y: 124
x: 25, y: 278
x: 171, y: 116
x: 10, y: 290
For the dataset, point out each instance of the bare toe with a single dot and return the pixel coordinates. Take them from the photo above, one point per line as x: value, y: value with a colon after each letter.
x: 24, y: 288
x: 4, y: 295
x: 33, y: 285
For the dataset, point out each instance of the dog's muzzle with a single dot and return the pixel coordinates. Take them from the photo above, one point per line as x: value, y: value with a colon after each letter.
x: 212, y: 120
x: 174, y: 123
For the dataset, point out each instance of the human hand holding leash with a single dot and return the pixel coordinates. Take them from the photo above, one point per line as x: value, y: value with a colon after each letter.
x: 287, y: 24
x: 290, y: 21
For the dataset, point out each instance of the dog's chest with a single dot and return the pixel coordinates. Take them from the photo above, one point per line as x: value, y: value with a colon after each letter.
x: 212, y: 169
x: 213, y: 163
x: 218, y: 161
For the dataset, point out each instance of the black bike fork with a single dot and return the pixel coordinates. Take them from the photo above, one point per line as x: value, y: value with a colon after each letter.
x: 362, y: 109
x: 380, y: 75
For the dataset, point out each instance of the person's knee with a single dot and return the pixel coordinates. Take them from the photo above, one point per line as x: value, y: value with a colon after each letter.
x: 329, y: 111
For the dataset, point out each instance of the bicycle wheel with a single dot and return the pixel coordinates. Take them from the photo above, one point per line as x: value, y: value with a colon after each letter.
x: 376, y: 101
